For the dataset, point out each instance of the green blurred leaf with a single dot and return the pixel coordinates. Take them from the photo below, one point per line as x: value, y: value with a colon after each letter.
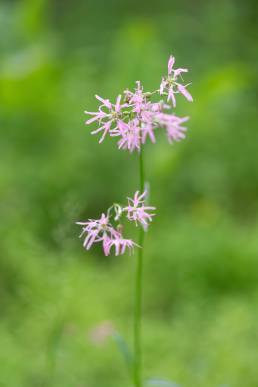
x: 123, y: 349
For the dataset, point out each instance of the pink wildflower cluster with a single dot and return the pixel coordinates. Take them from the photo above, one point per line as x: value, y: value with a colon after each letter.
x: 135, y: 117
x: 102, y: 230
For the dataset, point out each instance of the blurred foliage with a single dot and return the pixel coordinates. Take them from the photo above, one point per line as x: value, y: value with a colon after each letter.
x: 201, y: 266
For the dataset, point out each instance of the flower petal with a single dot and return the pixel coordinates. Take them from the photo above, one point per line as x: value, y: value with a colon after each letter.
x: 105, y: 102
x: 184, y: 92
x: 171, y: 62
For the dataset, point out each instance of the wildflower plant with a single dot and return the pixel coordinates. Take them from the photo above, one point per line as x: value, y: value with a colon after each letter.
x: 133, y: 119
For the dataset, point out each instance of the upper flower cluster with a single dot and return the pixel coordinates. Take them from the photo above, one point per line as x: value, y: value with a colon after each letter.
x: 102, y: 230
x: 135, y: 117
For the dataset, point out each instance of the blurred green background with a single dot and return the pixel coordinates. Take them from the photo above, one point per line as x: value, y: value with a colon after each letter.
x: 59, y: 302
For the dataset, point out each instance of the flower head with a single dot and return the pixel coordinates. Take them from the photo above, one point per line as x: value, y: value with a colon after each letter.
x: 107, y: 116
x: 130, y: 135
x: 120, y: 245
x: 148, y: 125
x: 137, y: 211
x: 172, y: 124
x: 137, y: 99
x: 96, y: 230
x: 139, y: 116
x: 171, y: 86
x: 102, y: 229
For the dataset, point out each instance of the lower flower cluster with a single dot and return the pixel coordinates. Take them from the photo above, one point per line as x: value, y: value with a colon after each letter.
x: 103, y: 229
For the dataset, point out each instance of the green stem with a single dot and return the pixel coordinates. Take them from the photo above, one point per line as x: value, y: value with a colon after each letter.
x: 138, y: 293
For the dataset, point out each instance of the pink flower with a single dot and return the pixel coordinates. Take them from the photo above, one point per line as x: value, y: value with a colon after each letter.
x: 148, y: 131
x: 130, y: 135
x: 120, y: 245
x: 137, y: 211
x: 106, y: 245
x: 105, y: 128
x: 97, y: 230
x: 172, y: 124
x: 136, y: 100
x: 112, y: 115
x: 142, y: 116
x: 148, y: 124
x: 182, y: 89
x: 171, y: 62
x: 170, y: 84
x: 100, y: 230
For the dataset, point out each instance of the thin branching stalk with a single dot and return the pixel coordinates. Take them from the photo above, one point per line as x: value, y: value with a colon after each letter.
x: 138, y: 293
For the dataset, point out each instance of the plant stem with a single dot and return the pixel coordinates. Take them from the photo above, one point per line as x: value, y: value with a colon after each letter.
x: 138, y: 293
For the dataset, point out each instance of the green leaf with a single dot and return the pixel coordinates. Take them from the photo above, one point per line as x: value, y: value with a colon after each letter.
x: 123, y: 349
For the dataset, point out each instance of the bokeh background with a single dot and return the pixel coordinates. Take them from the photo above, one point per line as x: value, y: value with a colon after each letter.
x: 59, y: 303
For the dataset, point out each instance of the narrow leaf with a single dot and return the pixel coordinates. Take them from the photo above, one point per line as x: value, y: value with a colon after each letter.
x: 123, y: 349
